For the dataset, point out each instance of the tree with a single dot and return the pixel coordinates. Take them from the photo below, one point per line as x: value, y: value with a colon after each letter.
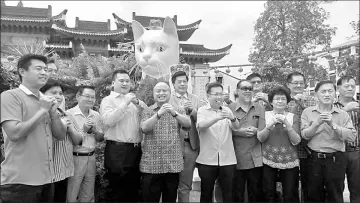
x: 356, y: 26
x: 287, y: 29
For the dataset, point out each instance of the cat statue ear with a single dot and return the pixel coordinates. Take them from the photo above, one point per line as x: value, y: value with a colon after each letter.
x: 138, y: 29
x: 170, y: 27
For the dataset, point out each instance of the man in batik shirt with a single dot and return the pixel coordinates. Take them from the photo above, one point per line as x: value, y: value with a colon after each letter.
x: 162, y: 160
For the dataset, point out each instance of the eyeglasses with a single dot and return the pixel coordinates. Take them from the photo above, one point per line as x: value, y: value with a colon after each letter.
x: 245, y: 88
x: 89, y: 97
x: 298, y: 83
x: 256, y: 81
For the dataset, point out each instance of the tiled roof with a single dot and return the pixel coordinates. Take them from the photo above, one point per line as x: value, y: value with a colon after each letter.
x: 119, y: 21
x: 25, y: 14
x: 194, y: 25
x: 60, y: 17
x: 77, y: 31
x: 92, y: 25
x: 200, y: 50
x: 25, y: 19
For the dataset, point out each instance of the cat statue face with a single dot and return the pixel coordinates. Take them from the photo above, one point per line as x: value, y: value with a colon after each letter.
x: 156, y: 49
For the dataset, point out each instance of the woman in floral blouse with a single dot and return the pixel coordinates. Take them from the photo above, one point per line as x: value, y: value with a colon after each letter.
x: 279, y: 138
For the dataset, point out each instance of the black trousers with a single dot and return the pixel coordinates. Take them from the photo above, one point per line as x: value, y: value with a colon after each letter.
x: 304, y: 178
x: 122, y: 171
x: 20, y: 193
x: 326, y: 178
x: 353, y: 175
x: 289, y: 180
x: 154, y: 186
x: 60, y: 189
x: 253, y: 179
x: 208, y: 175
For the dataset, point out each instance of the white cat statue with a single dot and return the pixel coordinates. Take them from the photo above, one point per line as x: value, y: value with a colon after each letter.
x: 156, y: 50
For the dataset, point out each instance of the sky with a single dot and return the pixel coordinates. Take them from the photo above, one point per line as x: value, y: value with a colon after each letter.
x: 223, y: 22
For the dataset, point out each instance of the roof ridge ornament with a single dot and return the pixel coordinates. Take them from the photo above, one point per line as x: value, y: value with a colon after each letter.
x: 155, y: 24
x: 180, y: 68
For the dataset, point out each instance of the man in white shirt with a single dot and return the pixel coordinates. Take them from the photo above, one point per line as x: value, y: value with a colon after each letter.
x: 217, y: 156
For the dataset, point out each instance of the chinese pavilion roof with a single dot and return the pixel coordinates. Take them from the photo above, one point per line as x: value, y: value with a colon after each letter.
x: 184, y: 31
x: 60, y: 18
x: 79, y: 31
x: 199, y: 51
x: 25, y: 14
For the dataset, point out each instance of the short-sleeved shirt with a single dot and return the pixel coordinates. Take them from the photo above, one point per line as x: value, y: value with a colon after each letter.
x: 216, y: 143
x: 248, y: 149
x: 294, y: 108
x: 29, y: 160
x: 326, y: 139
x: 161, y: 150
x: 354, y: 115
x: 89, y: 142
x: 121, y: 122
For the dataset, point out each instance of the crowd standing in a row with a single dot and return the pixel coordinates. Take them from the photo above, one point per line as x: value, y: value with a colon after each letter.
x: 151, y: 152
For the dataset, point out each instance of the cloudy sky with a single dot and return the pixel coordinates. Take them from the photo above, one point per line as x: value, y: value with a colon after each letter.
x: 223, y: 22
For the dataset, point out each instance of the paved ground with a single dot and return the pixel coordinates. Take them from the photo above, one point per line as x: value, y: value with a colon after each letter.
x: 195, y: 193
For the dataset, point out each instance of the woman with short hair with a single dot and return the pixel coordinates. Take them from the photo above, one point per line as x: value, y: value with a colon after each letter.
x: 63, y: 150
x: 279, y: 139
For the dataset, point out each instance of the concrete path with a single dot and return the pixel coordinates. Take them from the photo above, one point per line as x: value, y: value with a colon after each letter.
x: 195, y: 193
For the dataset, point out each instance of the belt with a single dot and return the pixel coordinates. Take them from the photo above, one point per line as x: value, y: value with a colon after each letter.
x: 321, y: 155
x: 186, y: 139
x: 352, y: 149
x: 83, y: 154
x: 124, y: 143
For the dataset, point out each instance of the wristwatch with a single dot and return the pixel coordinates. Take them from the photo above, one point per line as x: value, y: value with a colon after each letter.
x: 176, y: 114
x: 233, y: 120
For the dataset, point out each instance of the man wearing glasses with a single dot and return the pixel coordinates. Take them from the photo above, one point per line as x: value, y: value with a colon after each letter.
x: 82, y: 184
x: 296, y: 83
x: 346, y: 87
x: 217, y: 156
x: 256, y: 81
x: 247, y: 146
x: 328, y: 129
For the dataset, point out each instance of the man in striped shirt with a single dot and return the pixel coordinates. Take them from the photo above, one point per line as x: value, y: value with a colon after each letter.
x: 346, y: 101
x: 299, y: 101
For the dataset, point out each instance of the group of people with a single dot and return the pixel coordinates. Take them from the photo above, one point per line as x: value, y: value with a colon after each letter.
x: 151, y: 151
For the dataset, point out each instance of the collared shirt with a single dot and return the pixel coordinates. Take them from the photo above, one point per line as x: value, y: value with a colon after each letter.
x: 326, y: 139
x: 297, y: 110
x: 89, y: 142
x: 161, y: 150
x: 63, y: 153
x: 121, y: 122
x: 354, y: 115
x: 178, y: 101
x: 29, y: 160
x: 248, y: 149
x: 216, y: 144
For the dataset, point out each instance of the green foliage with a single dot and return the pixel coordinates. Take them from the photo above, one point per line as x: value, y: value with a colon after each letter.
x: 348, y: 64
x: 286, y: 29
